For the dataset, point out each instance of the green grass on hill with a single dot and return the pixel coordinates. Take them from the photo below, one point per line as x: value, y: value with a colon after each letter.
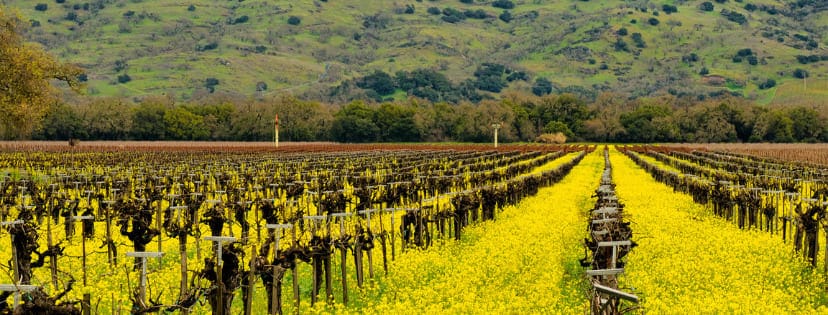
x: 168, y: 48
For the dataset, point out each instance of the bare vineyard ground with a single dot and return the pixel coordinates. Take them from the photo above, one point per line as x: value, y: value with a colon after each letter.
x: 816, y: 153
x: 238, y: 147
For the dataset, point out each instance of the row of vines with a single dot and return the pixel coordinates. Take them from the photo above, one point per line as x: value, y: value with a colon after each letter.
x: 129, y: 232
x: 366, y: 229
x: 787, y: 199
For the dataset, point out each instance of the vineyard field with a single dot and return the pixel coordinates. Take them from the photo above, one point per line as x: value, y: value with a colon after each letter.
x: 246, y: 228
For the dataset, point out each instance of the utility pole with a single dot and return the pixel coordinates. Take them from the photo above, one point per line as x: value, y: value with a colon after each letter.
x: 276, y: 131
x: 496, y: 127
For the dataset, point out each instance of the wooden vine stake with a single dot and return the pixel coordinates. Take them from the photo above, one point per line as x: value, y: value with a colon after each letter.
x: 15, y: 287
x: 367, y: 214
x: 86, y: 305
x: 316, y: 263
x: 142, y: 291
x: 343, y: 251
x: 50, y: 242
x: 110, y: 251
x: 219, y: 242
x: 182, y: 250
x: 384, y: 244
x: 276, y: 290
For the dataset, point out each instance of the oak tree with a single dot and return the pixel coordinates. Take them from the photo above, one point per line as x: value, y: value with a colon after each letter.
x: 26, y: 74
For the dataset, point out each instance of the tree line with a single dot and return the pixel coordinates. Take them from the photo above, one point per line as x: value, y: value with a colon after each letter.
x: 611, y: 117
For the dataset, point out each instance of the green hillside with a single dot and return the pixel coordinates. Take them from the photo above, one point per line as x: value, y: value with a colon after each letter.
x: 150, y: 47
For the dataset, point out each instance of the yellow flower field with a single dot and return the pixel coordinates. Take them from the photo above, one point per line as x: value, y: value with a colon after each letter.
x: 524, y: 262
x: 690, y: 261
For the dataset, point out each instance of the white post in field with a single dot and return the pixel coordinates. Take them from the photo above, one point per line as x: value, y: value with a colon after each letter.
x: 496, y: 127
x: 276, y: 131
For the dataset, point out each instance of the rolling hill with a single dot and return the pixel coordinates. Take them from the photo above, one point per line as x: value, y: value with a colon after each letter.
x: 761, y: 49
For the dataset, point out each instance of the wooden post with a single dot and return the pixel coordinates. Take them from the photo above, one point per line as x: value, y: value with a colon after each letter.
x: 110, y: 256
x: 142, y: 293
x: 182, y: 250
x: 83, y: 244
x: 17, y: 288
x: 343, y: 255
x: 251, y: 281
x: 316, y: 263
x: 327, y: 265
x: 276, y: 305
x: 384, y: 245
x: 50, y: 241
x: 16, y: 268
x: 52, y: 260
x: 219, y: 242
x: 86, y: 304
x: 276, y: 131
x: 614, y: 245
x: 825, y: 229
x: 246, y: 206
x: 295, y: 275
x: 496, y: 127
x: 393, y: 233
x: 367, y: 213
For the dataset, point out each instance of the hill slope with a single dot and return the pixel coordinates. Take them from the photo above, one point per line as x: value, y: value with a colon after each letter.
x: 147, y: 47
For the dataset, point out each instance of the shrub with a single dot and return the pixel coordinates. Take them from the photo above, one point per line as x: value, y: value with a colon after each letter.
x: 622, y: 31
x: 542, y: 87
x: 451, y: 19
x: 434, y: 11
x: 744, y: 52
x: 706, y: 6
x: 800, y: 74
x: 241, y: 19
x: 210, y: 84
x: 620, y: 45
x: 41, y: 7
x: 767, y: 84
x: 639, y: 40
x: 552, y: 138
x: 505, y: 16
x: 124, y: 78
x: 503, y: 4
x: 294, y: 20
x: 734, y: 17
x: 475, y: 14
x: 653, y: 21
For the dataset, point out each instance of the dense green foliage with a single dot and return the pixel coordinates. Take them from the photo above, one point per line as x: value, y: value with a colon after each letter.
x: 610, y: 118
